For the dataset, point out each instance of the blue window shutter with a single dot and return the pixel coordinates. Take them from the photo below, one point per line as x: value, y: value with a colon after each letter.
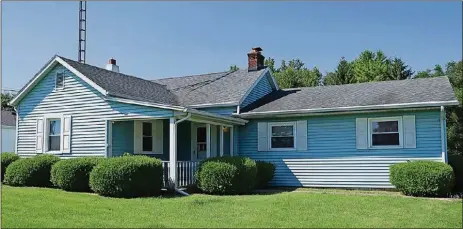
x: 301, y: 135
x: 362, y: 133
x: 409, y: 131
x: 262, y: 136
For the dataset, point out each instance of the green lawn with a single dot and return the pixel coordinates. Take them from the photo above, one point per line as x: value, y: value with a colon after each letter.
x: 40, y: 207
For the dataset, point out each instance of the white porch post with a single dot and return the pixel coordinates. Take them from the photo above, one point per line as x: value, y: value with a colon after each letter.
x: 221, y: 141
x: 173, y: 150
x: 208, y: 140
x: 231, y: 141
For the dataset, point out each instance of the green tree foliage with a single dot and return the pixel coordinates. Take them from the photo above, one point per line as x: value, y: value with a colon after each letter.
x: 367, y: 67
x: 455, y: 114
x: 6, y: 98
x: 343, y: 74
x: 436, y: 71
x: 293, y: 74
x: 233, y: 68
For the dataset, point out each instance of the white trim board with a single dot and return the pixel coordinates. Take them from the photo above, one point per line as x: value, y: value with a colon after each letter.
x: 274, y: 86
x: 49, y: 66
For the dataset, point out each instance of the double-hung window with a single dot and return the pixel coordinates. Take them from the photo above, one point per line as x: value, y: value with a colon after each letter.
x: 54, y: 134
x: 385, y: 132
x: 147, y: 140
x: 282, y: 135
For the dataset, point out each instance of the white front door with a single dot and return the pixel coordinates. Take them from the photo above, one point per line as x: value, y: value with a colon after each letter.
x: 199, y: 142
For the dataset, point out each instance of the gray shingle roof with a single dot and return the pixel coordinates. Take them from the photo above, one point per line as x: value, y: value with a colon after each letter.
x: 220, y: 87
x: 125, y: 86
x: 361, y: 94
x: 8, y: 118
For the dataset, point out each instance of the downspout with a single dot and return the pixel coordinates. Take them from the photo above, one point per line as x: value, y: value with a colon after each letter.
x: 443, y: 132
x: 183, y: 193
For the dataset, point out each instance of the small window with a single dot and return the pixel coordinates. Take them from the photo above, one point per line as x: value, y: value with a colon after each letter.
x: 147, y: 137
x: 385, y: 132
x: 59, y: 80
x: 54, y: 134
x: 282, y: 135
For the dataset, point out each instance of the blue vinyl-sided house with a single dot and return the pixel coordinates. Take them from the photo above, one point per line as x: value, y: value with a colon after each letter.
x: 327, y: 136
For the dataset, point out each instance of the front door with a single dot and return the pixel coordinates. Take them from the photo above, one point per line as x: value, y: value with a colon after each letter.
x: 199, y: 144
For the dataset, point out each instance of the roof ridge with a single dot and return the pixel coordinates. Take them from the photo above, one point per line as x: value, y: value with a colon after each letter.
x: 111, y: 71
x: 176, y: 77
x: 363, y: 83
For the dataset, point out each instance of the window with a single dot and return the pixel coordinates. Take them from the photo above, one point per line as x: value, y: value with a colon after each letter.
x: 147, y: 144
x: 59, y: 80
x: 54, y: 134
x: 385, y: 132
x: 282, y: 135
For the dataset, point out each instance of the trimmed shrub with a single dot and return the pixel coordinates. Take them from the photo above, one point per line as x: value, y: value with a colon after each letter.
x: 422, y: 178
x: 134, y: 176
x: 73, y: 174
x: 31, y: 171
x: 227, y: 175
x: 456, y: 161
x: 265, y: 172
x: 7, y: 159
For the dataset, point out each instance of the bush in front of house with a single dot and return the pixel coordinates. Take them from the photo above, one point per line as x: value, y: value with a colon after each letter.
x: 456, y: 161
x: 7, y: 159
x: 422, y: 178
x: 33, y: 171
x: 265, y: 172
x: 227, y: 175
x: 134, y: 176
x: 73, y: 174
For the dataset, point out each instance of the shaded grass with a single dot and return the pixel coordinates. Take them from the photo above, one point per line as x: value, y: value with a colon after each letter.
x: 42, y: 207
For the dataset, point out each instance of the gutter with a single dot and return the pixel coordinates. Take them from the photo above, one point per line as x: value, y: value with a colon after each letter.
x: 347, y: 109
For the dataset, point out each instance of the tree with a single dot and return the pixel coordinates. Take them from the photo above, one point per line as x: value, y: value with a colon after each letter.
x: 342, y: 75
x: 398, y: 70
x: 455, y: 114
x: 233, y: 68
x: 370, y: 66
x: 437, y: 71
x: 6, y: 98
x: 270, y: 63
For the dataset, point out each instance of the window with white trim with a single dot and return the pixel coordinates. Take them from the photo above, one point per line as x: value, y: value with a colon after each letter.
x: 54, y: 134
x: 147, y: 140
x: 59, y: 81
x: 282, y: 135
x: 385, y: 132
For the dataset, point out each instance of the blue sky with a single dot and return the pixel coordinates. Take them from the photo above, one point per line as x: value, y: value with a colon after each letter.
x: 164, y: 39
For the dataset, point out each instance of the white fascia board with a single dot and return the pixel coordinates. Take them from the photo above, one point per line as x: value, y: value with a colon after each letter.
x: 350, y: 109
x: 147, y: 104
x: 45, y: 71
x: 253, y: 86
x: 82, y: 76
x: 219, y: 118
x: 205, y: 105
x: 33, y: 82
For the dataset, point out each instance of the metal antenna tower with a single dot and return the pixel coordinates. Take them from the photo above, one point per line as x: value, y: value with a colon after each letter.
x: 82, y: 30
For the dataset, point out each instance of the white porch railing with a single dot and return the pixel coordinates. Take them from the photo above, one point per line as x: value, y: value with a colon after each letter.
x: 185, y: 172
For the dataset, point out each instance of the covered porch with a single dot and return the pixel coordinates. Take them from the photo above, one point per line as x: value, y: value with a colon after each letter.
x: 181, y: 141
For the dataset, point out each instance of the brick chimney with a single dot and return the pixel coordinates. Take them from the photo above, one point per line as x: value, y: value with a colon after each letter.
x: 112, y: 66
x: 255, y: 59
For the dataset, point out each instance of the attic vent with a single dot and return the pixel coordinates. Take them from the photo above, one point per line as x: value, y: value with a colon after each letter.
x: 59, y: 81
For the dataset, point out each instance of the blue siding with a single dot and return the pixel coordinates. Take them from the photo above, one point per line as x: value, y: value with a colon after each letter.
x: 220, y: 110
x: 332, y: 159
x: 87, y: 108
x: 122, y: 138
x: 262, y: 88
